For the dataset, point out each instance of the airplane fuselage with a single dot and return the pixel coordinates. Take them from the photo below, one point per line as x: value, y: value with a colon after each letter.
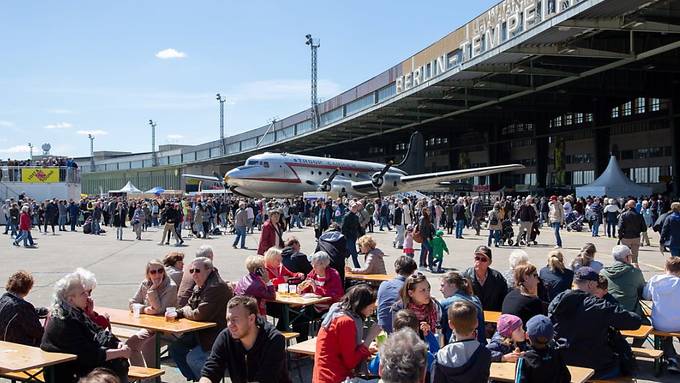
x: 290, y: 175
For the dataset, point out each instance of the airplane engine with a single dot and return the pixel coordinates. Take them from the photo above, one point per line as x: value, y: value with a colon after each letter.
x: 340, y: 187
x: 389, y: 183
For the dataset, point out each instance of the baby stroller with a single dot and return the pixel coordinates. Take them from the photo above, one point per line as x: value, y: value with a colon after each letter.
x: 574, y: 221
x: 507, y: 234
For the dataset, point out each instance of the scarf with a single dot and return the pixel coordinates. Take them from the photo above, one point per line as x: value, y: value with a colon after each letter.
x: 426, y: 313
x: 337, y: 311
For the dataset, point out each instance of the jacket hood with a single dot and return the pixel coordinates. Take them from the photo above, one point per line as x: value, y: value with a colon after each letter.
x: 666, y: 284
x: 331, y: 236
x: 457, y: 354
x: 617, y: 270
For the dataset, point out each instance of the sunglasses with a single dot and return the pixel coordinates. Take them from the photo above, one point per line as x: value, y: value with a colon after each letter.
x: 481, y: 259
x: 197, y: 271
x: 156, y: 271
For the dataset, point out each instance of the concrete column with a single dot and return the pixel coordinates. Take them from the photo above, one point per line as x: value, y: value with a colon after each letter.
x: 541, y: 147
x: 601, y: 135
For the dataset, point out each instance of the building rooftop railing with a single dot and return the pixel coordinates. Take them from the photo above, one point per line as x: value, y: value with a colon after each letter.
x: 39, y: 174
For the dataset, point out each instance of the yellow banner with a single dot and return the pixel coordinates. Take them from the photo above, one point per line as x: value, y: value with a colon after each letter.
x: 40, y: 175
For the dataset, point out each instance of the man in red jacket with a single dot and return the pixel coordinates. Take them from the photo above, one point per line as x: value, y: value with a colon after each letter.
x: 25, y: 229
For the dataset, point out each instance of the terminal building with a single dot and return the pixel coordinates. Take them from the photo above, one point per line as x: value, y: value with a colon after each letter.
x: 556, y: 85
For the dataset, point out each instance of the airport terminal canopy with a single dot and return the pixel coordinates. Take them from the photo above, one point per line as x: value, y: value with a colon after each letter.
x: 129, y: 188
x: 613, y: 183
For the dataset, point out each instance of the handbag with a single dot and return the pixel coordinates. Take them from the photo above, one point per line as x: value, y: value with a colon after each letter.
x: 417, y: 235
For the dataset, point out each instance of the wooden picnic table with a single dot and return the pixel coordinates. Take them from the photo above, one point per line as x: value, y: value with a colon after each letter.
x: 505, y: 372
x: 307, y: 347
x: 156, y: 323
x: 16, y: 357
x: 642, y: 332
x: 289, y: 301
x: 379, y: 278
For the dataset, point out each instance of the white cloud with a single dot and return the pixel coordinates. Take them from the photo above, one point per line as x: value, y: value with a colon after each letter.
x: 16, y: 149
x: 175, y: 136
x: 61, y: 111
x: 170, y: 53
x: 97, y: 132
x: 59, y: 125
x: 6, y: 124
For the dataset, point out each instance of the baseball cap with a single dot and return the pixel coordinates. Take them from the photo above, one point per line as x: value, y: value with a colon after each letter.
x: 540, y: 329
x: 507, y: 324
x: 586, y: 273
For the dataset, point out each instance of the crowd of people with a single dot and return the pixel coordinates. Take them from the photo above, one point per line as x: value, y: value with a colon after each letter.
x: 565, y: 312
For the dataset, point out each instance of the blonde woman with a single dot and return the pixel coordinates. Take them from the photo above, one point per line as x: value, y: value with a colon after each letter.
x: 278, y: 273
x: 373, y: 258
x: 156, y: 292
x: 556, y: 277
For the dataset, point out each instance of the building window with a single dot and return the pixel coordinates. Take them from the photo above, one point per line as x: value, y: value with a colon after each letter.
x: 615, y: 112
x: 530, y: 179
x: 627, y: 108
x: 387, y: 92
x: 589, y: 117
x: 331, y: 117
x: 655, y: 105
x: 654, y: 174
x: 579, y: 118
x: 303, y: 127
x: 568, y: 119
x: 359, y: 105
x: 640, y: 105
x: 588, y: 176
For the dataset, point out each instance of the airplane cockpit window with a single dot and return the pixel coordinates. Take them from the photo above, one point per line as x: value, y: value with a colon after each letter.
x: 253, y: 162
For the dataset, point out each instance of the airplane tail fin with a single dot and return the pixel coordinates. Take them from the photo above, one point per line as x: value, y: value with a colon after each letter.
x: 414, y: 161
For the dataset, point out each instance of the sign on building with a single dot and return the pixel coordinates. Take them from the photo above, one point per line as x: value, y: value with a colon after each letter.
x: 40, y: 175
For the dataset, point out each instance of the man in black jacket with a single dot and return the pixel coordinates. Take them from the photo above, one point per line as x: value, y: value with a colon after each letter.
x: 584, y: 321
x: 335, y: 245
x: 250, y: 348
x: 293, y: 259
x: 170, y: 216
x: 631, y: 224
x: 527, y: 217
x: 351, y: 228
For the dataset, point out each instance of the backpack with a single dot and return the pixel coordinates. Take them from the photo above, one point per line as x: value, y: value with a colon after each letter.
x: 494, y: 219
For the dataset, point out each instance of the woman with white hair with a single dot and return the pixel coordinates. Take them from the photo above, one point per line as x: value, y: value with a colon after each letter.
x: 516, y: 258
x: 89, y: 283
x: 70, y: 330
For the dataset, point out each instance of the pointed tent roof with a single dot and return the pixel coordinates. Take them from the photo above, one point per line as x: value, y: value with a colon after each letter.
x: 128, y: 188
x: 613, y: 183
x: 156, y: 190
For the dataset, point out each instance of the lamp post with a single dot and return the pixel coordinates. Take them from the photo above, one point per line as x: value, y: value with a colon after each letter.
x: 221, y: 100
x: 314, y: 45
x: 154, y: 159
x: 91, y: 137
x: 30, y: 150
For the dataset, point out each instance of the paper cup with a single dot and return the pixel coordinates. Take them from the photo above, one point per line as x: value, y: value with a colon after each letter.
x: 137, y: 309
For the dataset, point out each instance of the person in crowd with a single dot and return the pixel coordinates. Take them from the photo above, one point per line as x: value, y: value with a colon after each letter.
x: 584, y: 321
x: 89, y: 283
x: 555, y: 275
x: 523, y: 299
x: 208, y: 303
x: 438, y: 248
x: 415, y: 296
x: 138, y: 221
x: 404, y: 358
x: 186, y: 285
x: 250, y: 349
x: 373, y: 258
x: 611, y: 214
x: 556, y: 217
x: 586, y: 257
x: 63, y: 215
x: 388, y: 292
x: 517, y: 257
x: 631, y: 224
x: 664, y: 292
x: 323, y: 214
x: 170, y: 216
x: 646, y: 214
x: 543, y: 362
x: 276, y: 271
x: 351, y: 229
x: 626, y: 281
x: 495, y: 225
x: 509, y: 341
x: 455, y: 287
x: 100, y: 375
x: 19, y: 319
x: 240, y: 225
x: 670, y: 231
x: 426, y: 230
x: 174, y: 266
x: 459, y: 216
x: 595, y: 217
x: 73, y: 213
x: 70, y: 330
x: 293, y: 259
x: 256, y: 283
x: 25, y: 228
x: 271, y: 233
x: 341, y: 344
x: 51, y: 215
x: 399, y: 225
x: 157, y: 292
x: 333, y: 242
x: 119, y: 216
x: 487, y: 284
x: 527, y: 216
x: 466, y: 359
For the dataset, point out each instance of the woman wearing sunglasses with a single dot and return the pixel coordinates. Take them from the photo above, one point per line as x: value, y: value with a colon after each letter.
x: 523, y: 300
x: 156, y: 292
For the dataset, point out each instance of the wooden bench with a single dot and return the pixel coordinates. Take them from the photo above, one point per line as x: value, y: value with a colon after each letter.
x: 658, y: 345
x: 647, y: 353
x: 123, y: 333
x: 135, y: 374
x: 290, y: 336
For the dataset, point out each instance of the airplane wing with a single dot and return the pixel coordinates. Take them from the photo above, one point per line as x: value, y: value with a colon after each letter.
x: 430, y: 180
x: 201, y: 177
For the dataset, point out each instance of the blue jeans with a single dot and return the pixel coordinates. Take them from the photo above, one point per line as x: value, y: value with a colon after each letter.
x: 352, y: 249
x: 611, y: 229
x: 25, y: 235
x: 558, y: 239
x: 384, y: 221
x: 596, y: 228
x: 295, y: 221
x: 496, y: 236
x: 182, y: 352
x: 675, y: 251
x: 425, y: 253
x: 240, y: 234
x: 460, y: 225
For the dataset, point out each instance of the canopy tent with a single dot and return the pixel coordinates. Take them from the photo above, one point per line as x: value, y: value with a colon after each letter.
x: 613, y: 183
x: 156, y: 190
x: 129, y: 188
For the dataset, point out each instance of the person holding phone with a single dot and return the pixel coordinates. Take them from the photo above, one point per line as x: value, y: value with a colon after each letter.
x: 256, y: 283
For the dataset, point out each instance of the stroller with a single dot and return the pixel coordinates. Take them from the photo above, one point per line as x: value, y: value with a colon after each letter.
x: 507, y: 234
x: 574, y: 221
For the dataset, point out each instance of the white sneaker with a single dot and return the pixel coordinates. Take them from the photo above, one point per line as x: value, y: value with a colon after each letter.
x: 557, y: 247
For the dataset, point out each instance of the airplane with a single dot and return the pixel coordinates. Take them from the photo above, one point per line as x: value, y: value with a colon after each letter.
x: 285, y: 175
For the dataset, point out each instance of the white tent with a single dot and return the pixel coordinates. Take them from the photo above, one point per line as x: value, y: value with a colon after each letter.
x: 613, y: 183
x: 129, y: 188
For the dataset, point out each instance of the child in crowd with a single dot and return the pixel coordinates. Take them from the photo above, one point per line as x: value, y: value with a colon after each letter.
x: 509, y: 341
x: 543, y: 362
x: 408, y: 241
x: 466, y: 359
x: 438, y: 248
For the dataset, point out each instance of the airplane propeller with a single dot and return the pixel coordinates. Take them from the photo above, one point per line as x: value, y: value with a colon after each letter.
x: 378, y: 179
x: 327, y: 183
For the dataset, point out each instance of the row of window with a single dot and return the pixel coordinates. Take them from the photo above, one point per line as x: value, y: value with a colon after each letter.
x: 644, y: 175
x: 638, y: 106
x: 570, y: 119
x: 634, y: 154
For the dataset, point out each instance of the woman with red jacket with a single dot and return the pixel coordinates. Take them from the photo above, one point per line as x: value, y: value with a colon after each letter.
x: 340, y: 345
x: 271, y: 233
x: 256, y: 283
x: 24, y: 228
x: 277, y: 272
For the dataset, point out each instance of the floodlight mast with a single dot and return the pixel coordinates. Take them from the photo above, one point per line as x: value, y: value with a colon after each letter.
x: 314, y: 46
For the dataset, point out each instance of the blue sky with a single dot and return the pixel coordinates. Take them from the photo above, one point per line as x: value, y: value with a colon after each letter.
x: 69, y: 68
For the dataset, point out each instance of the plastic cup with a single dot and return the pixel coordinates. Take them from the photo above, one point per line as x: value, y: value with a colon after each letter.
x: 137, y: 309
x: 292, y: 289
x: 170, y: 314
x: 283, y: 288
